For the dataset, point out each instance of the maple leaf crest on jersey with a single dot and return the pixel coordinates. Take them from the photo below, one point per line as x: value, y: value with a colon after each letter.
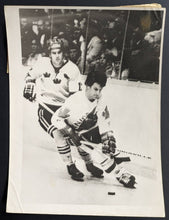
x: 84, y: 114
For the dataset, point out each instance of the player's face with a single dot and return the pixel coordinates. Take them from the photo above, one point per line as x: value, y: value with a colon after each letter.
x: 57, y: 57
x: 93, y: 92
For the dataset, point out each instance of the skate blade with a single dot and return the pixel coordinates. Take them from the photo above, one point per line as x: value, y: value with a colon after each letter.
x: 98, y: 177
x: 77, y: 179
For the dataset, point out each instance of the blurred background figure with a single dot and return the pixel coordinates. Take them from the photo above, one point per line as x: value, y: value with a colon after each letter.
x: 153, y: 36
x: 25, y: 38
x: 74, y: 52
x: 92, y: 46
x: 34, y: 55
x: 125, y: 44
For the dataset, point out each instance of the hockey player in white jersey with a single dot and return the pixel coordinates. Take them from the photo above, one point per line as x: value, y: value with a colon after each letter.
x: 87, y: 111
x: 51, y: 81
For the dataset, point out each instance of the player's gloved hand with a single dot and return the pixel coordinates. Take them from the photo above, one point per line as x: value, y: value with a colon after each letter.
x: 109, y: 143
x: 29, y: 91
x: 125, y: 178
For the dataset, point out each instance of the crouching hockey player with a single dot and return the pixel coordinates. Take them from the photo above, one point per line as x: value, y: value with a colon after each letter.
x: 85, y: 117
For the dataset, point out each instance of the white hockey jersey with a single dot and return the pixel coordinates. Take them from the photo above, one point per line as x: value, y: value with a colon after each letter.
x: 77, y: 109
x: 53, y: 86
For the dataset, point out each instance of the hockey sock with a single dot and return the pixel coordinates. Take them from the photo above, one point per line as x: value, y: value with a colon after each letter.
x: 65, y: 153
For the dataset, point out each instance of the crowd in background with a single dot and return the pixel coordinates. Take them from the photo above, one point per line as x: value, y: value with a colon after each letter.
x: 124, y: 44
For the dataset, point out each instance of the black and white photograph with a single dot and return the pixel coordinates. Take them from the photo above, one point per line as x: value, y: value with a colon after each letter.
x: 85, y: 92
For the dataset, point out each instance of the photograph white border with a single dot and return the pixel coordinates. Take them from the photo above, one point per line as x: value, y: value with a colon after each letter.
x: 15, y: 161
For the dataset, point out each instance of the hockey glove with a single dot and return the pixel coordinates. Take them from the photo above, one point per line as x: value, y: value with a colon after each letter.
x: 29, y: 91
x: 125, y: 178
x: 109, y: 143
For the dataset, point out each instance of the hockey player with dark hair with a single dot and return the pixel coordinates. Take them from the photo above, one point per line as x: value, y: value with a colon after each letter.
x: 85, y: 117
x: 51, y: 81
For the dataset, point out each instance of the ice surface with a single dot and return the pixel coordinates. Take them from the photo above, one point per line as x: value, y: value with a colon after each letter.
x: 134, y: 109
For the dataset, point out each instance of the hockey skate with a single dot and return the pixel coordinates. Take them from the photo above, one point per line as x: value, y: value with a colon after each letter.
x: 95, y: 171
x: 125, y: 178
x: 75, y: 173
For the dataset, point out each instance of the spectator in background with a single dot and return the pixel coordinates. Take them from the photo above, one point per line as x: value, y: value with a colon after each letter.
x: 90, y: 49
x: 46, y: 35
x: 74, y: 52
x: 25, y: 37
x: 104, y: 64
x: 112, y: 44
x: 63, y: 38
x: 102, y: 45
x: 142, y: 61
x: 153, y: 36
x: 76, y: 36
x: 38, y: 32
x: 34, y: 55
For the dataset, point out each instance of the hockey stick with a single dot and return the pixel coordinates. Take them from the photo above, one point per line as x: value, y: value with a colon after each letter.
x: 99, y: 146
x: 93, y: 146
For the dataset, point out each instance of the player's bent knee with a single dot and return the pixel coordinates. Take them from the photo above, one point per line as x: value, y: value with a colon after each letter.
x: 59, y: 138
